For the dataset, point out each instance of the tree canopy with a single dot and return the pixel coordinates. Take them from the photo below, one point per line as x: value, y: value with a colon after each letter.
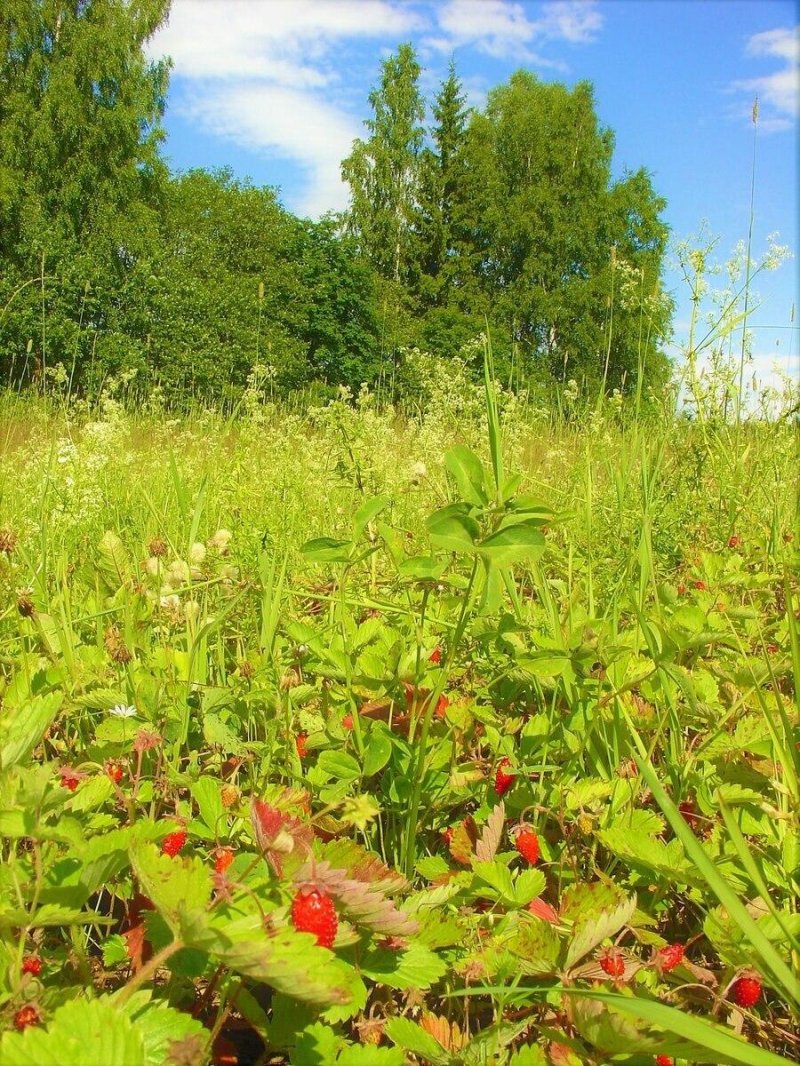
x: 507, y: 215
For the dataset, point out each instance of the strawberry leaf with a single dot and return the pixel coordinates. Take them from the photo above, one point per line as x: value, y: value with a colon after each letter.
x: 489, y: 842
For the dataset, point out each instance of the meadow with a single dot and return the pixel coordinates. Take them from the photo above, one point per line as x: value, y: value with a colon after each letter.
x: 459, y: 734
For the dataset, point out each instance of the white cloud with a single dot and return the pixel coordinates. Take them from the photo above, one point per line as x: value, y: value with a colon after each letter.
x: 292, y: 124
x: 262, y: 74
x: 503, y: 29
x: 272, y: 39
x: 779, y: 91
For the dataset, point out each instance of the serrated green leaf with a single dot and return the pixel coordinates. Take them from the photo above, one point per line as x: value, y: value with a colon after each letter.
x: 207, y: 795
x: 83, y: 1033
x: 22, y: 726
x: 417, y: 967
x: 412, y: 1037
x: 588, y: 933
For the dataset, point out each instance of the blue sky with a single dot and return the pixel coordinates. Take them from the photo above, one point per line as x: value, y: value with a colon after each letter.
x: 277, y: 90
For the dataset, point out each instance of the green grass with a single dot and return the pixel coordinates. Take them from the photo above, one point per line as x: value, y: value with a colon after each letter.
x: 614, y: 602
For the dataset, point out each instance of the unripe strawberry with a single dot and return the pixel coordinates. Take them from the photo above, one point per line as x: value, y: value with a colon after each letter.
x: 28, y: 1015
x: 313, y: 912
x: 502, y: 779
x: 612, y: 962
x: 527, y: 844
x: 746, y: 991
x: 667, y: 958
x: 173, y: 842
x: 32, y: 964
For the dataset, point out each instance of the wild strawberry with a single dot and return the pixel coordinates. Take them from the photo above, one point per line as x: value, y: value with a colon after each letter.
x: 527, y: 844
x: 772, y: 649
x: 664, y: 1060
x: 115, y: 772
x: 701, y: 586
x: 503, y: 780
x: 435, y: 656
x: 223, y: 859
x: 734, y: 541
x: 313, y: 912
x: 301, y: 743
x: 230, y: 794
x: 612, y: 962
x: 69, y: 778
x: 32, y: 964
x: 441, y: 706
x: 667, y: 958
x: 746, y: 991
x: 28, y: 1015
x: 173, y: 842
x: 347, y: 721
x: 681, y: 589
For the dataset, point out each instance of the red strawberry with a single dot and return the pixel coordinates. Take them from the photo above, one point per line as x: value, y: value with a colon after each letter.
x: 115, y: 772
x: 223, y: 859
x: 313, y: 912
x: 527, y: 844
x: 612, y: 962
x: 502, y: 780
x: 441, y: 706
x: 733, y: 542
x: 669, y: 957
x: 347, y: 721
x: 664, y: 1060
x: 173, y: 842
x: 32, y: 964
x: 701, y: 586
x: 746, y: 991
x: 681, y: 589
x: 435, y: 656
x: 301, y: 743
x: 69, y: 778
x: 28, y: 1015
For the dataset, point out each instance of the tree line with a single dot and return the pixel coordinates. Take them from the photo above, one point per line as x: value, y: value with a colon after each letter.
x: 504, y: 217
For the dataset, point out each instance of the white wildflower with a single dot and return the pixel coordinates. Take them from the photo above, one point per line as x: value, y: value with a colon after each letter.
x: 121, y: 710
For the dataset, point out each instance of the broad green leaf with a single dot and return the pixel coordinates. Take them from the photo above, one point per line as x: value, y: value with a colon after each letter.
x: 23, y: 725
x: 207, y: 795
x: 161, y: 1025
x: 452, y: 529
x: 468, y: 472
x: 513, y: 544
x: 377, y: 753
x: 338, y: 764
x: 368, y: 512
x: 328, y: 550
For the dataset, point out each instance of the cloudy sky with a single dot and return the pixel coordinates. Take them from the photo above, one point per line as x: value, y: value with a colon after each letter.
x: 277, y: 89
